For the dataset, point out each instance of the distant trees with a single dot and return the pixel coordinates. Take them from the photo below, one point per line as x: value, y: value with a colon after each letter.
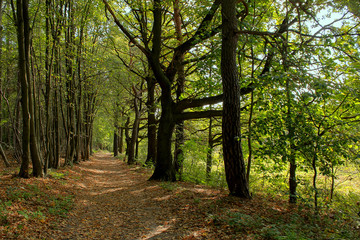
x: 54, y: 67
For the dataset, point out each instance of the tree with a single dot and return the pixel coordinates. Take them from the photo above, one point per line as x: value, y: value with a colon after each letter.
x: 29, y: 144
x: 3, y: 155
x: 231, y: 128
x: 171, y: 112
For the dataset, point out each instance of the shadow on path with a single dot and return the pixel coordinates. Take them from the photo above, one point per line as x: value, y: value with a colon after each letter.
x: 115, y: 201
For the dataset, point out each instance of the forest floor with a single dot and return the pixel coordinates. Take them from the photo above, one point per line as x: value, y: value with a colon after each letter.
x: 104, y: 198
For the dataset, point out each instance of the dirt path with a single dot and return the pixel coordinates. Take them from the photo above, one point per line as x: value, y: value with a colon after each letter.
x: 114, y: 201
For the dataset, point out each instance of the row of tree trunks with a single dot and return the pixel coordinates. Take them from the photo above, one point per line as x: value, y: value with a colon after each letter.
x: 78, y: 114
x: 172, y: 112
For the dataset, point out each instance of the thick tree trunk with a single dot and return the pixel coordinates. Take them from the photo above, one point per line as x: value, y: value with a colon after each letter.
x: 115, y: 143
x: 179, y: 129
x: 34, y: 150
x: 70, y: 87
x: 25, y: 161
x: 135, y: 130
x: 151, y: 108
x: 121, y: 140
x: 233, y: 156
x: 164, y: 166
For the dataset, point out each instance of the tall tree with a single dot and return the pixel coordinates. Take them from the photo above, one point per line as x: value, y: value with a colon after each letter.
x: 29, y: 144
x: 171, y: 112
x: 231, y: 128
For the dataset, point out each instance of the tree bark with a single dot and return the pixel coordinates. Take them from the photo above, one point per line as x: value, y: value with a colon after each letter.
x: 209, y: 150
x: 25, y: 161
x: 135, y: 128
x: 179, y: 128
x: 115, y: 143
x: 2, y: 153
x: 70, y: 87
x: 164, y: 166
x: 151, y: 108
x: 121, y: 140
x: 231, y: 128
x: 127, y: 137
x: 34, y: 150
x: 48, y: 154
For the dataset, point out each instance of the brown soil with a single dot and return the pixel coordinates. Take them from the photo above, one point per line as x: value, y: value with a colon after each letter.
x: 115, y: 201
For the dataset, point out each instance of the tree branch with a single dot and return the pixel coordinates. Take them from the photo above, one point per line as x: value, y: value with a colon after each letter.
x: 198, y: 115
x: 124, y: 30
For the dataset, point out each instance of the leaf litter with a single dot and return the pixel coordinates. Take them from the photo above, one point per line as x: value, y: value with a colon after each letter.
x: 104, y: 198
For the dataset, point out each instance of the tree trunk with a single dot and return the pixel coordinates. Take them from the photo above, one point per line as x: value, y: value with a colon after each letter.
x: 34, y: 150
x: 209, y: 151
x: 116, y: 144
x: 248, y: 169
x: 332, y: 182
x: 48, y: 74
x: 135, y: 128
x: 151, y: 108
x: 316, y: 192
x: 24, y: 168
x: 231, y: 128
x: 70, y: 87
x: 164, y: 166
x: 290, y: 127
x: 121, y: 140
x: 127, y: 137
x: 56, y: 138
x: 2, y: 153
x: 179, y: 129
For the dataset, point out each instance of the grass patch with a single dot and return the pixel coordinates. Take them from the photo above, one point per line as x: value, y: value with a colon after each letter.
x: 28, y: 205
x: 57, y: 175
x: 60, y: 206
x: 170, y: 186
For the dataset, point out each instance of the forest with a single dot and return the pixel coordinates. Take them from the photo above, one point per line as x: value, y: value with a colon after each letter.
x: 249, y: 97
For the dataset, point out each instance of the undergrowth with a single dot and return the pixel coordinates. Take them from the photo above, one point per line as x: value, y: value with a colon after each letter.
x: 31, y: 203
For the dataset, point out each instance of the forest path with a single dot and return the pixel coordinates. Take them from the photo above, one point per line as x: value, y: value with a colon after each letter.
x: 115, y: 201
